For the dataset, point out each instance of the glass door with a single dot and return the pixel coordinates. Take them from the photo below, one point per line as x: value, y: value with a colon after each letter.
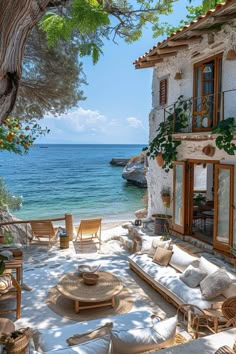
x: 179, y: 183
x: 223, y: 207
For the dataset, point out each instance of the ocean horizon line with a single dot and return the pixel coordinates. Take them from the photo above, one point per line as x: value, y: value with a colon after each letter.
x: 140, y: 144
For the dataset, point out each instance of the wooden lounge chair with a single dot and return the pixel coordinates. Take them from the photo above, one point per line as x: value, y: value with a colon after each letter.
x: 13, y: 292
x: 43, y: 229
x: 89, y: 230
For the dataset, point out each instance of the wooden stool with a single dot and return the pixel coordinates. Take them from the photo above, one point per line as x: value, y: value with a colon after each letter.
x: 6, y: 325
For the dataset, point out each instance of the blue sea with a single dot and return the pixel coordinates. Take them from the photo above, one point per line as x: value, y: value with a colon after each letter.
x: 77, y: 179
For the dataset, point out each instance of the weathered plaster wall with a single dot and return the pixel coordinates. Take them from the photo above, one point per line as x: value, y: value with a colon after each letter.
x: 223, y: 41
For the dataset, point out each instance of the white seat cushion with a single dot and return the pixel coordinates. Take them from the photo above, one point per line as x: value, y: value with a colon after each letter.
x: 139, y: 340
x: 55, y: 338
x: 180, y: 259
x: 100, y: 345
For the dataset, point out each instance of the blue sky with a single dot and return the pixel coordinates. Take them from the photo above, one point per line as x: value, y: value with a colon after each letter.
x: 118, y: 96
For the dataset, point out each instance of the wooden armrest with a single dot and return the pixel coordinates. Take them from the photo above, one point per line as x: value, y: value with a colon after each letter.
x: 14, y: 282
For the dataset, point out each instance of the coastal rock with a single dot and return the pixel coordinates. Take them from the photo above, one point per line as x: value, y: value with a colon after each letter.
x: 119, y: 161
x: 141, y: 213
x: 21, y: 233
x: 134, y: 171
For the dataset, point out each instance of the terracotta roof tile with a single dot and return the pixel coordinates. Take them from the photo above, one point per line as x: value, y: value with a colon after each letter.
x: 191, y: 24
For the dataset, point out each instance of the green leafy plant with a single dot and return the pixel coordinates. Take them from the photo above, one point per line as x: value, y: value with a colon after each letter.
x: 7, y: 200
x: 8, y: 237
x: 163, y: 143
x: 198, y: 199
x: 18, y: 137
x: 226, y: 130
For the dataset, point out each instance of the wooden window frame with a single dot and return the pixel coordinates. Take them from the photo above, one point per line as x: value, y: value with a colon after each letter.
x: 217, y: 59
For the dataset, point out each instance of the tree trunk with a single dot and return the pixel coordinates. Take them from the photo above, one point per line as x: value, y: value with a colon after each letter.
x: 17, y: 18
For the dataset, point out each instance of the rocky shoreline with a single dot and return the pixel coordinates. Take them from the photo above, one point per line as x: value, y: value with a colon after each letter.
x: 135, y: 170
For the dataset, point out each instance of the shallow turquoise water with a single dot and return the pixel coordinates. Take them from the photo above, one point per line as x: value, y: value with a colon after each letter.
x: 75, y: 179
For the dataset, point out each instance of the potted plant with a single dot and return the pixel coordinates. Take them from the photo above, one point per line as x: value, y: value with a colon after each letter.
x: 159, y: 159
x: 165, y: 196
x: 162, y: 224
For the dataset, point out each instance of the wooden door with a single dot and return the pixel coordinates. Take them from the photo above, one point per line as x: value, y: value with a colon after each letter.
x: 179, y: 193
x: 223, y: 207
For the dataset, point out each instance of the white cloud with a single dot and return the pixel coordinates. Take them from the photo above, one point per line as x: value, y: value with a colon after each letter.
x: 86, y: 126
x: 135, y: 122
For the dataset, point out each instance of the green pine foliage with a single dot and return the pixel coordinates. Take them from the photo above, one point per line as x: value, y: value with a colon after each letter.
x: 7, y: 200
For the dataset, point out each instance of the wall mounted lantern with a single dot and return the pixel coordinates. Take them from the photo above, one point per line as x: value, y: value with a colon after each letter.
x: 178, y: 75
x: 231, y: 55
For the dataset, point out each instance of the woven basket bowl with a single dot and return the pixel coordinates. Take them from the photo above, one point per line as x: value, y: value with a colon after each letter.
x: 90, y: 278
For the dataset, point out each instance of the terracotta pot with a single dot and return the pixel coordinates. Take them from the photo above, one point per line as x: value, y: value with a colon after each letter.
x: 2, y: 239
x: 166, y: 200
x: 209, y: 150
x: 160, y: 160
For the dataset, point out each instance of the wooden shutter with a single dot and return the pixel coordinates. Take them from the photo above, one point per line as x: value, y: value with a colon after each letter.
x: 163, y: 92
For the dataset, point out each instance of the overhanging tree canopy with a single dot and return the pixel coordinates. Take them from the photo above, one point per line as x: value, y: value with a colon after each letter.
x: 86, y: 20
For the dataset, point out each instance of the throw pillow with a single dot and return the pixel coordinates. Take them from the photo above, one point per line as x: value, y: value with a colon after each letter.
x: 140, y: 340
x: 162, y: 256
x: 182, y: 259
x: 102, y: 345
x: 146, y: 243
x: 5, y: 283
x: 158, y: 242
x: 96, y: 333
x: 214, y: 284
x: 207, y: 266
x: 192, y: 276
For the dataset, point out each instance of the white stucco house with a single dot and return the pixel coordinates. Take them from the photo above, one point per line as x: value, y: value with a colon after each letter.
x: 199, y: 63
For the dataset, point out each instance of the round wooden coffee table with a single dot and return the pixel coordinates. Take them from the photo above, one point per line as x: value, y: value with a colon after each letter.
x: 90, y: 296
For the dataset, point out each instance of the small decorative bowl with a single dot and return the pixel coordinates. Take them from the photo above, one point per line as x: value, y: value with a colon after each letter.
x: 90, y: 278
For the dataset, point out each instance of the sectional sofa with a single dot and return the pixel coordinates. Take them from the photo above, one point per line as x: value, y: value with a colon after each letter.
x: 168, y: 279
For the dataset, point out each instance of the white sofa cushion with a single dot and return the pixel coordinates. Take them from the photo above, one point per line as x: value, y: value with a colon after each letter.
x: 184, y: 293
x: 192, y: 276
x: 180, y: 259
x: 102, y: 345
x: 207, y: 266
x: 55, y: 338
x: 143, y: 339
x: 152, y: 269
x: 214, y: 284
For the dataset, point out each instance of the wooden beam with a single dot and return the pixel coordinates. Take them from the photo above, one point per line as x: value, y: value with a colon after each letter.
x: 147, y: 65
x: 171, y: 50
x: 220, y: 19
x: 184, y: 41
x: 160, y: 56
x: 199, y: 32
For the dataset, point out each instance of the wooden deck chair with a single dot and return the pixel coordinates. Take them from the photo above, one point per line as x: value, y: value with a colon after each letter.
x: 89, y: 230
x: 13, y: 292
x: 43, y: 230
